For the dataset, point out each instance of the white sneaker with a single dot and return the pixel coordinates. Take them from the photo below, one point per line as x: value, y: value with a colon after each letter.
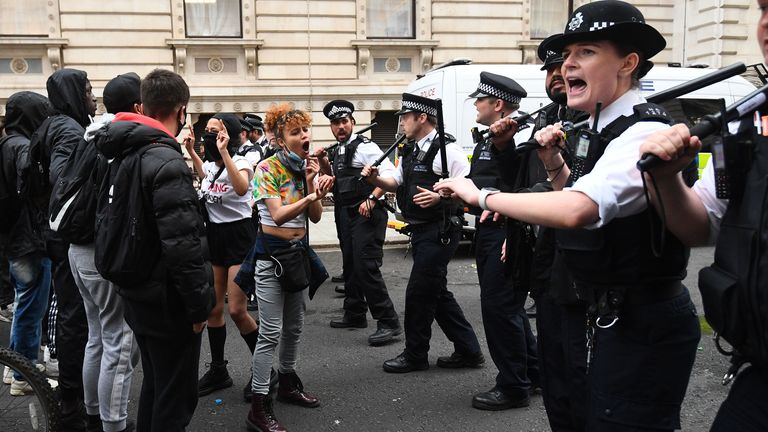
x: 40, y: 367
x: 6, y: 314
x: 7, y: 375
x: 52, y: 368
x: 53, y: 383
x: 20, y: 388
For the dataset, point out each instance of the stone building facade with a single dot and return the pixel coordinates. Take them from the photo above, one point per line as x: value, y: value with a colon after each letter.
x: 243, y: 55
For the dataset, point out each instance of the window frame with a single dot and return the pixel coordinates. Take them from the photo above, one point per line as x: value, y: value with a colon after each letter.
x: 569, y: 4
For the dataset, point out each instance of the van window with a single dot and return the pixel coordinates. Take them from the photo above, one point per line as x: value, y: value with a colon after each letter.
x: 690, y: 111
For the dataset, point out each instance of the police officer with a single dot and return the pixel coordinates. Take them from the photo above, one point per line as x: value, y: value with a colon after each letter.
x: 362, y: 224
x: 427, y: 297
x: 644, y: 326
x: 511, y: 343
x: 252, y: 152
x: 697, y: 216
x: 561, y: 309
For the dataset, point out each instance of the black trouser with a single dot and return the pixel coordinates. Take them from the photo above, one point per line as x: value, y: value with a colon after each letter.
x: 427, y: 297
x: 511, y: 342
x: 364, y: 287
x: 746, y: 407
x: 341, y: 229
x: 563, y: 352
x: 71, y: 330
x: 641, y: 366
x: 169, y: 388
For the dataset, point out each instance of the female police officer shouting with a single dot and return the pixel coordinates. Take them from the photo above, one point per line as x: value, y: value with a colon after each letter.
x: 645, y: 330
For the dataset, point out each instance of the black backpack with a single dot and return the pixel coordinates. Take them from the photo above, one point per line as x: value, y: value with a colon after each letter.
x: 10, y: 205
x: 72, y: 205
x: 36, y: 177
x: 734, y: 289
x: 124, y: 253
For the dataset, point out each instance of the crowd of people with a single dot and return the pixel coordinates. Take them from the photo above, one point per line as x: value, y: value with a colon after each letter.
x: 617, y: 331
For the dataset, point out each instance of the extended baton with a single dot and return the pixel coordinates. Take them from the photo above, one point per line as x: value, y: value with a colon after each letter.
x: 713, y: 123
x: 485, y: 134
x: 665, y: 95
x: 363, y: 130
x: 386, y: 154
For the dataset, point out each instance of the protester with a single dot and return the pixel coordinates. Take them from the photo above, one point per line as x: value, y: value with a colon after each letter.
x: 167, y: 312
x: 226, y: 189
x: 288, y: 193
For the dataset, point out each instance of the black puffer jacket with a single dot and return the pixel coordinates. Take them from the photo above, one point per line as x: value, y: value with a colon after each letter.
x: 25, y: 112
x: 180, y: 291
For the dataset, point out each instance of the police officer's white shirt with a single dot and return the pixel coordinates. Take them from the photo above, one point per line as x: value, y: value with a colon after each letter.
x: 614, y: 184
x: 366, y: 154
x: 458, y: 164
x: 254, y: 157
x: 223, y: 203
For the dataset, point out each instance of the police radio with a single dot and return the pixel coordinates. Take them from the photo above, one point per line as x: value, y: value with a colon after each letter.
x: 587, y: 149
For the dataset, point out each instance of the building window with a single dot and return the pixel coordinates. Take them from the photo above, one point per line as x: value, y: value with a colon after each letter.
x: 391, y: 19
x: 24, y: 18
x: 549, y: 16
x: 213, y: 18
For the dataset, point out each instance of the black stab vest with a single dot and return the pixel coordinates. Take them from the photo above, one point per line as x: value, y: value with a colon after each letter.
x: 348, y: 190
x: 619, y: 253
x: 417, y: 171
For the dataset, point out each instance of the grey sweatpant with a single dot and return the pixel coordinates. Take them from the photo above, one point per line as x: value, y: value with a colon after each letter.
x: 111, y: 352
x: 281, y: 319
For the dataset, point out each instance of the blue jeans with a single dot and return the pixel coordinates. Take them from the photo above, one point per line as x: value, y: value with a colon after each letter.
x: 32, y: 274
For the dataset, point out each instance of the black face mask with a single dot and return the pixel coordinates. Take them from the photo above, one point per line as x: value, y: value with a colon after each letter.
x: 211, y: 151
x: 183, y: 123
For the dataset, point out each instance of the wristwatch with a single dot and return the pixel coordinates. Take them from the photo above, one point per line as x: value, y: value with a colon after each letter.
x: 372, y: 197
x: 483, y: 195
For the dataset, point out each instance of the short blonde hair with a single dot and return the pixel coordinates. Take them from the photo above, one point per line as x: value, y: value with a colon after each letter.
x: 283, y: 116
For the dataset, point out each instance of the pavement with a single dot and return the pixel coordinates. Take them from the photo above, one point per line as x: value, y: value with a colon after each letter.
x: 345, y: 373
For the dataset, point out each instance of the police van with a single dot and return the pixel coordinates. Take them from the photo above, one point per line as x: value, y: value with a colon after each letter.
x: 452, y: 82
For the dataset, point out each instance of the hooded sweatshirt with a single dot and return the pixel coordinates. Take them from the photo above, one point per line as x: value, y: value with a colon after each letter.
x: 25, y: 112
x: 179, y: 291
x: 66, y: 91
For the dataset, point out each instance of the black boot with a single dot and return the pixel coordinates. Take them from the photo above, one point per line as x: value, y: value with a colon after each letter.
x: 216, y: 378
x: 261, y: 418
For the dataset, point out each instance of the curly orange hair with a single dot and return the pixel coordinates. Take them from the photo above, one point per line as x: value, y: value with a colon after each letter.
x: 284, y: 116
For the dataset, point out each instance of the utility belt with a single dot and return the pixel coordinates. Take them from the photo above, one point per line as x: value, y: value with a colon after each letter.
x: 609, y: 301
x: 422, y: 227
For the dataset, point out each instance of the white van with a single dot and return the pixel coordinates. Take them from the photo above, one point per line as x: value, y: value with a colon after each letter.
x: 455, y: 82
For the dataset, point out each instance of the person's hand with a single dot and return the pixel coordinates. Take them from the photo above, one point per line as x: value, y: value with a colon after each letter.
x: 320, y: 153
x: 324, y: 185
x: 313, y: 167
x: 222, y: 139
x: 504, y: 251
x: 366, y: 207
x: 675, y: 146
x: 189, y: 140
x: 425, y: 197
x: 551, y: 139
x: 504, y: 131
x: 369, y: 172
x: 326, y: 182
x: 487, y: 214
x: 461, y: 188
x: 198, y: 327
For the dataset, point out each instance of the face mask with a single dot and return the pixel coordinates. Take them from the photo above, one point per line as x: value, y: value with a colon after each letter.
x: 182, y: 123
x: 292, y: 161
x: 211, y: 151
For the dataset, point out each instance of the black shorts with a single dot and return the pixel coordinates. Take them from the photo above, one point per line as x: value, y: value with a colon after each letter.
x: 230, y: 242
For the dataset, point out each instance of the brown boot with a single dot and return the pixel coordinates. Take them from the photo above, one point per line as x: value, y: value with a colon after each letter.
x: 291, y: 391
x: 261, y: 418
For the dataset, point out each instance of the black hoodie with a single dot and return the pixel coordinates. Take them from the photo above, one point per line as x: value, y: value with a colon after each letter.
x: 179, y: 291
x: 25, y: 112
x: 66, y: 90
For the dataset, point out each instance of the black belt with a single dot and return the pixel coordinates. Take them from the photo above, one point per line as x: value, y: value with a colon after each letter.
x: 422, y: 226
x: 650, y: 293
